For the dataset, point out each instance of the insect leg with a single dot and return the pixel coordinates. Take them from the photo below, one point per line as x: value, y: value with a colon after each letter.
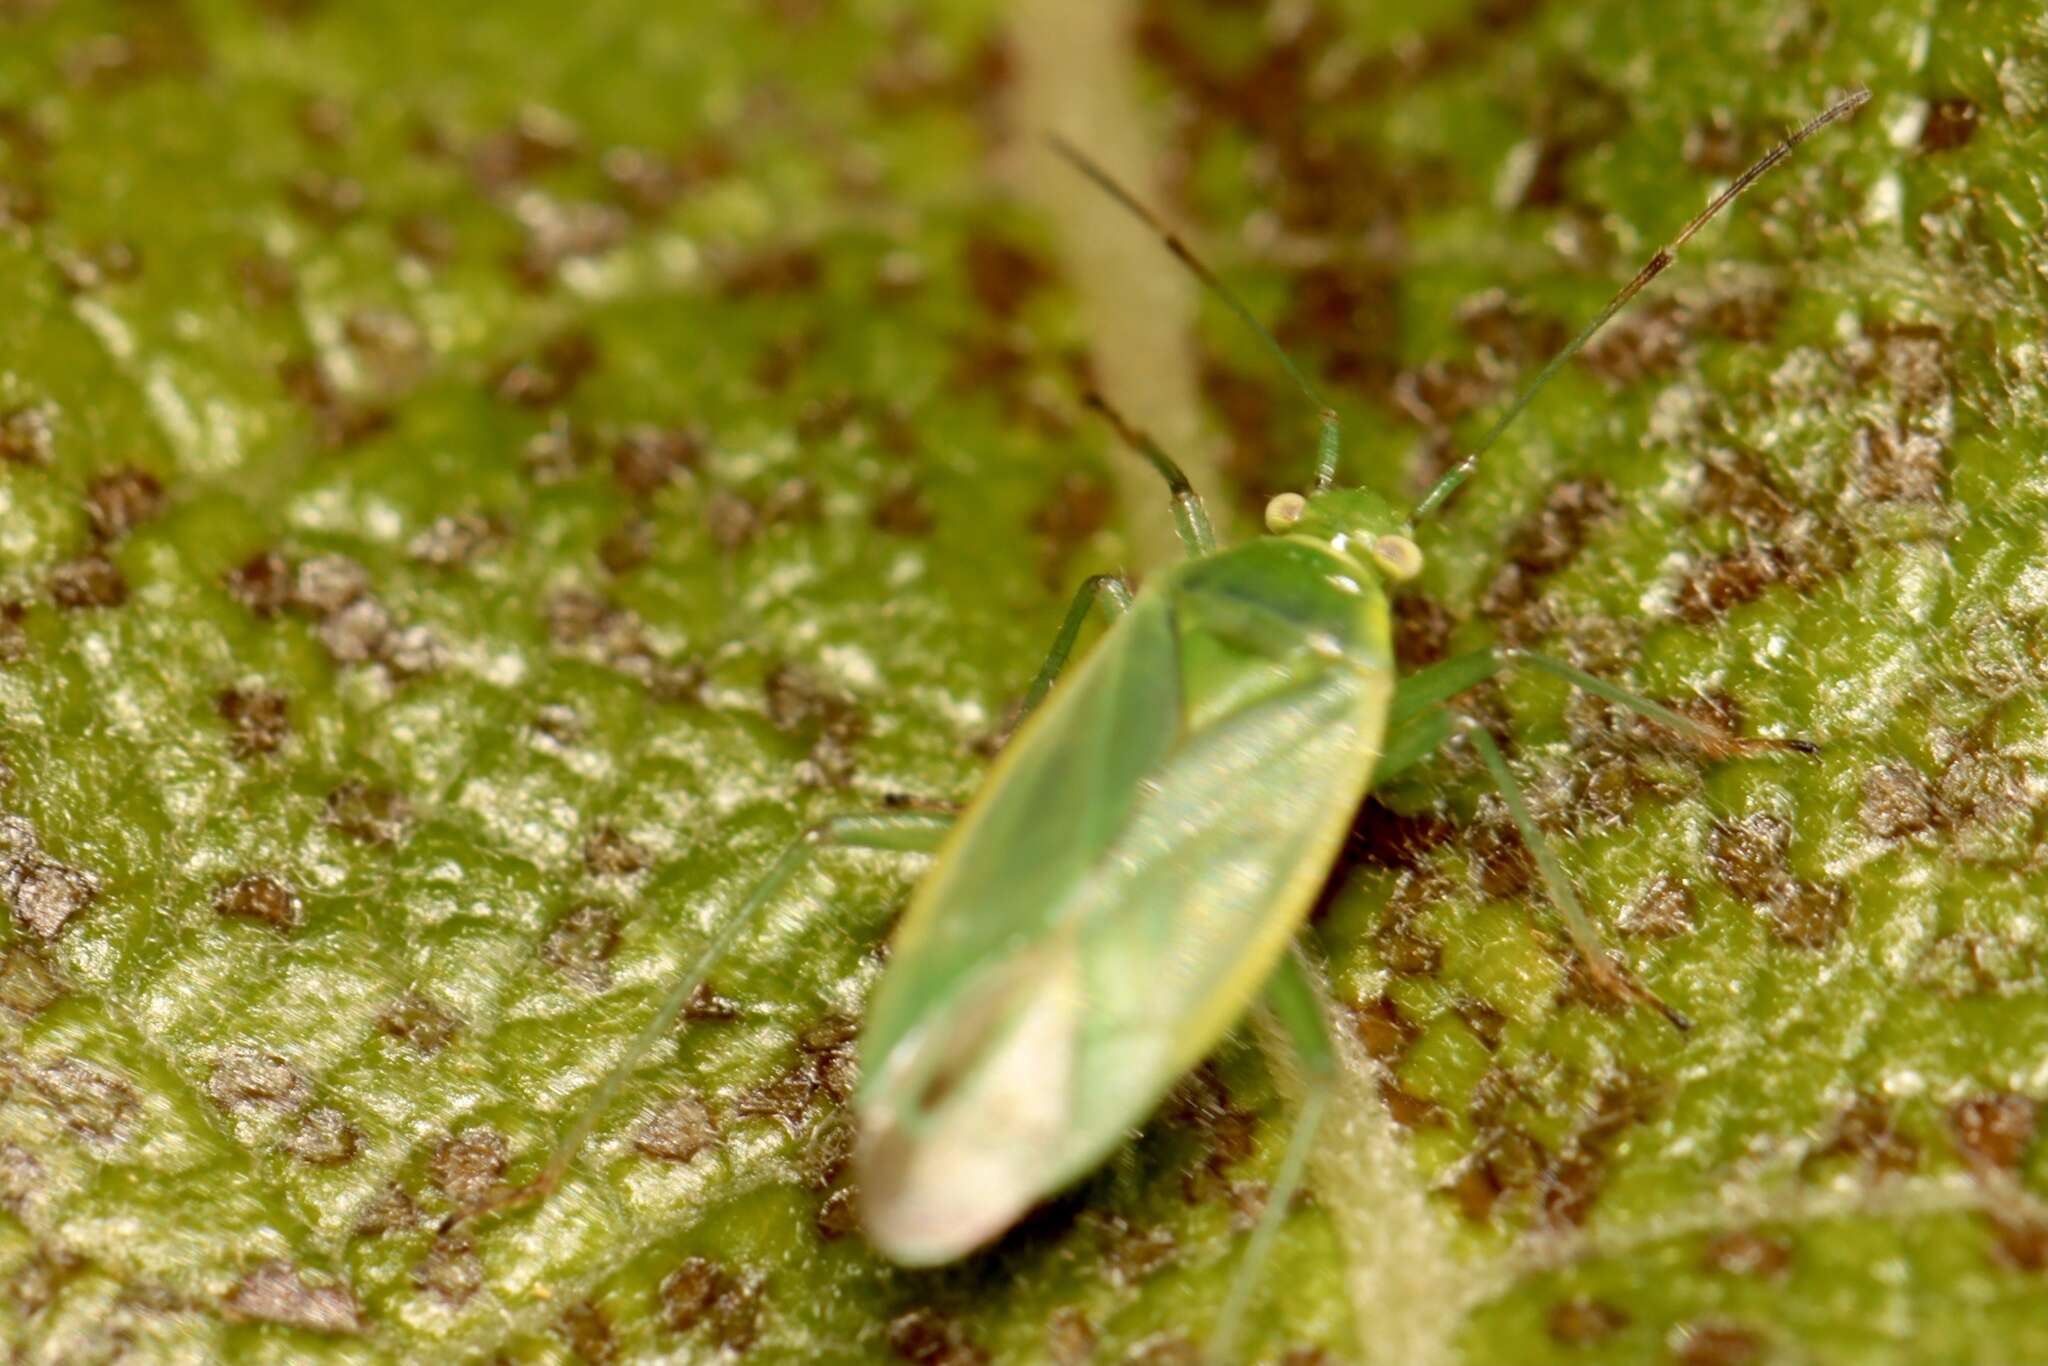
x: 1606, y: 969
x: 897, y: 831
x: 1190, y: 518
x: 1292, y: 999
x: 1106, y: 590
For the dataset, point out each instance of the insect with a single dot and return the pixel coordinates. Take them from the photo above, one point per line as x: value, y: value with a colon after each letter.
x: 1137, y: 863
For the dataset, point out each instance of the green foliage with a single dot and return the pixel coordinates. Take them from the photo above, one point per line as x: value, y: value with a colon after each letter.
x: 471, y: 485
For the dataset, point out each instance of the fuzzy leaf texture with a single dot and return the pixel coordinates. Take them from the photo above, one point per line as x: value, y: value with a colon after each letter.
x: 474, y: 481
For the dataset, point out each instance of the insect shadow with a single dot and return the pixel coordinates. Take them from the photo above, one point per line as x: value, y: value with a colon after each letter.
x: 1135, y: 867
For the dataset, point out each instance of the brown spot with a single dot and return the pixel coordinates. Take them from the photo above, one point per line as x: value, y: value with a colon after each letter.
x: 1639, y: 345
x: 259, y: 721
x: 22, y: 1178
x: 108, y: 263
x: 929, y: 1338
x: 469, y: 1165
x: 281, y: 1292
x: 731, y: 519
x: 323, y: 1138
x: 262, y: 583
x: 645, y: 183
x: 1718, y: 583
x: 1131, y: 1252
x: 393, y: 1211
x: 773, y: 271
x: 646, y: 459
x: 120, y: 500
x: 1422, y: 630
x: 677, y: 1131
x: 266, y: 279
x: 13, y: 638
x: 1069, y: 1337
x: 551, y: 374
x: 1951, y: 123
x: 1897, y: 464
x: 1164, y: 1349
x: 1808, y: 915
x: 29, y: 982
x: 1409, y: 1110
x: 1993, y: 1132
x: 324, y: 584
x: 828, y: 724
x: 588, y: 1334
x: 2021, y: 1243
x: 581, y: 945
x: 838, y: 1215
x: 1385, y: 1032
x: 1867, y: 1131
x: 252, y: 1079
x: 1002, y: 276
x: 1897, y: 801
x: 260, y: 898
x: 1716, y: 1344
x: 537, y: 139
x: 558, y: 233
x: 1665, y: 911
x: 785, y: 1098
x: 45, y: 894
x: 627, y: 546
x: 1749, y: 313
x: 451, y: 1270
x: 91, y: 1102
x: 1747, y: 1253
x: 608, y: 853
x: 1078, y: 507
x: 88, y: 581
x: 422, y: 1022
x: 427, y: 238
x: 1982, y: 796
x: 1503, y: 863
x: 325, y: 199
x: 1384, y: 838
x: 356, y: 634
x: 451, y: 542
x: 374, y: 815
x: 903, y: 511
x: 1583, y: 1321
x: 1750, y: 855
x: 338, y: 420
x: 703, y: 1293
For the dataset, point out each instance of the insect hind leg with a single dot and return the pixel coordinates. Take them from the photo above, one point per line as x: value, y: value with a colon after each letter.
x: 1108, y: 591
x: 1292, y: 999
x: 911, y: 831
x: 1607, y: 970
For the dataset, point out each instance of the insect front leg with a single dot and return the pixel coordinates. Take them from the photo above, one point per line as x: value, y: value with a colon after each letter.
x: 1291, y: 996
x: 1109, y: 592
x: 917, y: 832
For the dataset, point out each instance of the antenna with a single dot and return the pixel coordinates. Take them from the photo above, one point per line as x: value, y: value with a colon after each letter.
x: 1327, y: 447
x: 1460, y: 472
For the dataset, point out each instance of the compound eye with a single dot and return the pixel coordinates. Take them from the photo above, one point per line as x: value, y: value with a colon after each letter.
x: 1399, y: 558
x: 1284, y: 512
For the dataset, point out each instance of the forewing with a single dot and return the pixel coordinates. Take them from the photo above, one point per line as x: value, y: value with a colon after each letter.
x: 1058, y: 798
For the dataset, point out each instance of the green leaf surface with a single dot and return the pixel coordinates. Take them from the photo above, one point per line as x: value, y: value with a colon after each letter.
x: 473, y: 484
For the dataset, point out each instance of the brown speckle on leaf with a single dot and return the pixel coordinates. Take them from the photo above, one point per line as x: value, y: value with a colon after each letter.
x: 1898, y: 464
x: 1866, y: 1130
x: 29, y: 982
x: 1582, y: 1321
x: 646, y: 459
x: 451, y: 1270
x: 1747, y: 1253
x: 422, y: 1022
x: 551, y: 373
x: 1664, y: 911
x: 676, y: 1131
x: 261, y: 898
x: 587, y: 1330
x: 453, y: 541
x: 1897, y: 801
x: 45, y: 894
x: 426, y: 237
x: 13, y: 638
x: 1993, y: 1132
x: 323, y: 1137
x: 120, y: 500
x: 608, y: 853
x: 374, y: 815
x: 1002, y: 276
x: 324, y: 584
x: 88, y: 581
x: 928, y: 1338
x: 92, y: 1102
x: 537, y: 139
x: 903, y: 511
x: 838, y: 1215
x: 26, y: 437
x: 1385, y: 1032
x: 108, y: 263
x: 325, y: 199
x: 1069, y: 1337
x: 1716, y: 1344
x: 259, y: 721
x: 627, y: 546
x: 1951, y: 123
x: 469, y: 1165
x: 253, y: 1079
x: 703, y: 1293
x: 1750, y: 855
x: 1808, y: 915
x: 581, y: 945
x: 356, y: 634
x: 263, y: 583
x: 391, y: 1212
x: 280, y: 1292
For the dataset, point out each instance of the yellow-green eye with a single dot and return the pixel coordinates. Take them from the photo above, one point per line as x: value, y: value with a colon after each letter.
x: 1284, y: 512
x: 1399, y: 558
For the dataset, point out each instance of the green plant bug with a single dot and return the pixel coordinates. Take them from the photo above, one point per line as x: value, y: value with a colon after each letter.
x: 1137, y: 863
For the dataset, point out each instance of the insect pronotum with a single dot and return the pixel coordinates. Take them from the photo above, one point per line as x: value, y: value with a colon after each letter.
x: 1136, y: 865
